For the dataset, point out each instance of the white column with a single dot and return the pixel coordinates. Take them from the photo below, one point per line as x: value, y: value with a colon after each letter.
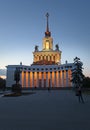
x: 46, y: 79
x: 24, y: 79
x: 51, y: 57
x: 63, y: 78
x: 28, y: 79
x: 38, y: 58
x: 45, y: 57
x: 48, y: 57
x: 54, y: 79
x: 37, y: 79
x: 42, y: 79
x: 32, y: 79
x: 66, y: 78
x: 41, y: 57
x: 51, y: 79
x: 58, y: 78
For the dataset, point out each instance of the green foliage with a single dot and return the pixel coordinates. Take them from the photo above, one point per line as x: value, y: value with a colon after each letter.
x: 86, y: 82
x: 77, y: 74
x: 2, y: 83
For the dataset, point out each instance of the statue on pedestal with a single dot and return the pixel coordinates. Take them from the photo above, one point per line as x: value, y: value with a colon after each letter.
x: 57, y: 47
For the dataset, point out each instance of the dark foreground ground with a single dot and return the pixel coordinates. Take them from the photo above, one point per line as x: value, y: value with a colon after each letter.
x: 45, y: 110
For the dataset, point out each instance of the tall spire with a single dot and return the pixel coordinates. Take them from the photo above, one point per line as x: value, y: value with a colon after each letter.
x: 47, y: 33
x: 47, y: 29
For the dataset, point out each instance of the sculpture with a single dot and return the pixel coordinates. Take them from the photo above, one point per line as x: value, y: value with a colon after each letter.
x: 57, y: 47
x: 16, y: 88
x: 36, y: 48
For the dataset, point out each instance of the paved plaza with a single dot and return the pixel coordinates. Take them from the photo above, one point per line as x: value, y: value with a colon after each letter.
x: 45, y: 110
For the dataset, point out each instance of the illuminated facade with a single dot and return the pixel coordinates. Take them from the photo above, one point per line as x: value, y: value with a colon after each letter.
x: 46, y: 69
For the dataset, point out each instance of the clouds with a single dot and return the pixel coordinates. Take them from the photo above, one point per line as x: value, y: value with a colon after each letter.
x: 2, y: 72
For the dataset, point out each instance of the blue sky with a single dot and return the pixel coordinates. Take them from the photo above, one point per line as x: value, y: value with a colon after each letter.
x: 23, y: 23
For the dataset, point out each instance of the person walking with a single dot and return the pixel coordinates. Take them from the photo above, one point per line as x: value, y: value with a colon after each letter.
x: 79, y: 94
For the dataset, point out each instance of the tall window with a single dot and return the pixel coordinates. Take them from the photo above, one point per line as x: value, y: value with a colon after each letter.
x: 47, y: 45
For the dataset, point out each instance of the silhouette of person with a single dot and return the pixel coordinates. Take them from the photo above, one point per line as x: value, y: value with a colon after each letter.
x: 80, y: 97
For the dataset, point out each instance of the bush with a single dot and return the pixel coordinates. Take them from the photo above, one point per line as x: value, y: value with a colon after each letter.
x: 16, y: 88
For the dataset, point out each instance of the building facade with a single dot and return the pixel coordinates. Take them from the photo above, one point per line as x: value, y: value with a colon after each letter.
x: 46, y: 69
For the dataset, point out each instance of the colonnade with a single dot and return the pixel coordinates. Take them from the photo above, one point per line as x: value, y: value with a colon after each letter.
x: 46, y: 79
x: 46, y: 57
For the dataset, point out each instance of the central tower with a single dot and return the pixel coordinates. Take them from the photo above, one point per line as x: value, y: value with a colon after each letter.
x: 47, y: 56
x: 47, y: 40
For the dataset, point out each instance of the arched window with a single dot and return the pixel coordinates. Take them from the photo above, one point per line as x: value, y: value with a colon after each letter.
x: 47, y: 46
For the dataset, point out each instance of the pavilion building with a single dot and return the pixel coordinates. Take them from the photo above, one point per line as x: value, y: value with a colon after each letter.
x: 46, y: 69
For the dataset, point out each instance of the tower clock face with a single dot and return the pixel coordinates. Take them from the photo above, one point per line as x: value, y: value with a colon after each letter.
x: 47, y: 45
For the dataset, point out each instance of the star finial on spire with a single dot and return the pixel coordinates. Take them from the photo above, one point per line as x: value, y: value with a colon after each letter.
x: 47, y: 33
x: 47, y: 14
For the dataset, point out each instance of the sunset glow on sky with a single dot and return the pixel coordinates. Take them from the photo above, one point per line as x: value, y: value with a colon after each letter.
x: 23, y: 23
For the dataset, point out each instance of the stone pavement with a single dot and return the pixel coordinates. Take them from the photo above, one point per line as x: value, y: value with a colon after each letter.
x: 45, y: 110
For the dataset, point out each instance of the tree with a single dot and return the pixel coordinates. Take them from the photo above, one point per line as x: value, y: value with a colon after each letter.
x: 2, y: 83
x: 86, y: 82
x: 77, y: 74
